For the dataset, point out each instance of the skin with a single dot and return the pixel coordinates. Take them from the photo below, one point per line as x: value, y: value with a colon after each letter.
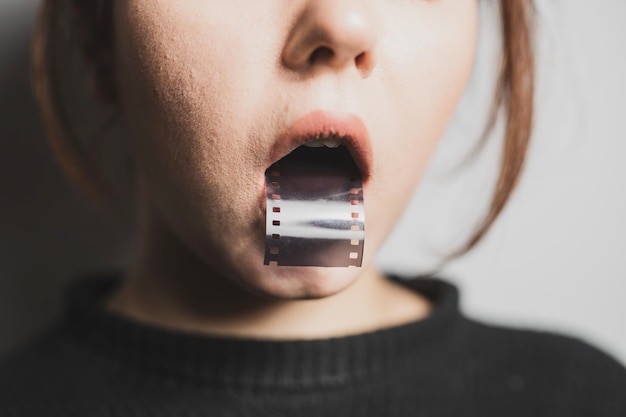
x: 207, y: 86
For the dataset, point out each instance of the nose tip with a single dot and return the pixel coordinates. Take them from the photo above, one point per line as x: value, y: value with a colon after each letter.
x: 332, y: 33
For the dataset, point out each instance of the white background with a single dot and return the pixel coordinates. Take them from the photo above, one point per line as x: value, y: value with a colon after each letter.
x: 555, y: 260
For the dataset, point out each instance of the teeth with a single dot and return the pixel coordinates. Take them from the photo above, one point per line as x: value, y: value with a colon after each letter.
x: 328, y: 142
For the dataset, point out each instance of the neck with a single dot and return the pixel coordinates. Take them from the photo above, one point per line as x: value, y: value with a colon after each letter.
x: 169, y: 286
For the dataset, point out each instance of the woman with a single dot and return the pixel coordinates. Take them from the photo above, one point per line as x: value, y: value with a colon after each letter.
x: 231, y: 107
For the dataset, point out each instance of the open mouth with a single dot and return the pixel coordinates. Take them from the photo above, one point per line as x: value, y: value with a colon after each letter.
x: 314, y: 207
x: 314, y: 192
x: 326, y: 140
x: 322, y: 158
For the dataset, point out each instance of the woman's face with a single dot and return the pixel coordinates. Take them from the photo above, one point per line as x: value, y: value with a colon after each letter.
x: 207, y: 87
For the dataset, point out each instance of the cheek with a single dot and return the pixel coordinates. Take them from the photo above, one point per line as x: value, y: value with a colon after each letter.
x: 425, y: 74
x: 183, y: 83
x: 172, y: 66
x: 182, y: 87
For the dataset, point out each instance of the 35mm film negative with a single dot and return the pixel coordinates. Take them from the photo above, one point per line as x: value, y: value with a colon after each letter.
x: 315, y: 214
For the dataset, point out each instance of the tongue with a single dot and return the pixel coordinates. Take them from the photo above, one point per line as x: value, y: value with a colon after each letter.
x: 315, y: 214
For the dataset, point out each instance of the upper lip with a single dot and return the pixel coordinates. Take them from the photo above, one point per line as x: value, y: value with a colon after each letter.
x: 349, y: 127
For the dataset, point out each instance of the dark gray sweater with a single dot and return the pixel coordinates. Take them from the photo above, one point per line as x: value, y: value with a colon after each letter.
x: 98, y: 364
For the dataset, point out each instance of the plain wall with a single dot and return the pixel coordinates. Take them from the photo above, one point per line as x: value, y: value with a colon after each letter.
x: 555, y: 260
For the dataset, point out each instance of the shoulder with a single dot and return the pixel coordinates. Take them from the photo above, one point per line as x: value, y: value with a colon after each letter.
x: 553, y: 351
x: 45, y: 375
x: 556, y: 366
x: 31, y: 363
x: 524, y: 371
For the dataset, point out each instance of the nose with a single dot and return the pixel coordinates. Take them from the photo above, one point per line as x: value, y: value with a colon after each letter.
x: 337, y: 34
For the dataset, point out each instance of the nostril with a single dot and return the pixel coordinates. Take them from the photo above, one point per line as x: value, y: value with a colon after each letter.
x: 326, y: 55
x: 364, y: 62
x: 360, y: 59
x: 323, y: 54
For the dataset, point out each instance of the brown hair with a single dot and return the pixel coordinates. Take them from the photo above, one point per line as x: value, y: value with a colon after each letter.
x: 513, y: 99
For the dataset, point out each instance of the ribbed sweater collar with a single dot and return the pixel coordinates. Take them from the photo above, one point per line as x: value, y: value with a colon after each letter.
x: 238, y: 361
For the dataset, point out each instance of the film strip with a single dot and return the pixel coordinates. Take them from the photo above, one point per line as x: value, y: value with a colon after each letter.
x: 314, y: 215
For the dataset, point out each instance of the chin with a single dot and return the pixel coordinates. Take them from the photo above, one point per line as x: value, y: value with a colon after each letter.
x: 298, y: 282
